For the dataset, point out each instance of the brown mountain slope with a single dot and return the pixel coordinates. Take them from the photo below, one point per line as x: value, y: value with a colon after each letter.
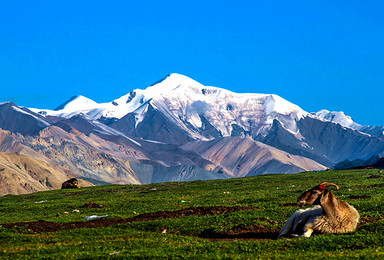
x: 245, y: 157
x: 74, y: 153
x: 95, y: 159
x: 20, y: 174
x: 88, y: 156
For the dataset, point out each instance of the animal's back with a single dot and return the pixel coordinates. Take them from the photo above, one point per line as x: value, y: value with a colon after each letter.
x: 346, y: 222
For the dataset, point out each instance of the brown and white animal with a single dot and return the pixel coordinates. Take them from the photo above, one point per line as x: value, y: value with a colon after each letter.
x: 70, y: 184
x: 329, y: 215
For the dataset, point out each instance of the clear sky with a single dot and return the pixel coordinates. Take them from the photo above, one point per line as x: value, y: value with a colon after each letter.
x: 323, y: 54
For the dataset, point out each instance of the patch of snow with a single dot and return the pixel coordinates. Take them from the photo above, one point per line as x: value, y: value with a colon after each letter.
x: 41, y: 201
x: 337, y: 117
x: 110, y: 131
x: 95, y: 216
x: 78, y: 103
x: 140, y: 113
x: 172, y: 82
x: 152, y: 141
x: 29, y: 114
x: 279, y: 105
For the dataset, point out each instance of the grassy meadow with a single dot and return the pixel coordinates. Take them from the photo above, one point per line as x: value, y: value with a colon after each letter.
x: 241, y: 234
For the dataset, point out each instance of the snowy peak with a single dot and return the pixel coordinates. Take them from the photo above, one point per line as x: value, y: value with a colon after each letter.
x: 73, y: 106
x: 192, y: 106
x: 77, y: 103
x: 189, y: 103
x: 279, y: 105
x: 346, y: 121
x: 177, y: 86
x: 169, y: 83
x: 182, y: 87
x: 337, y: 117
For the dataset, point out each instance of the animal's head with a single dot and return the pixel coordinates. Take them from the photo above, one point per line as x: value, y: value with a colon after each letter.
x: 313, y: 196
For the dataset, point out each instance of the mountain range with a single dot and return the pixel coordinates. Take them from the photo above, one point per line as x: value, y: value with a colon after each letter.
x: 176, y: 130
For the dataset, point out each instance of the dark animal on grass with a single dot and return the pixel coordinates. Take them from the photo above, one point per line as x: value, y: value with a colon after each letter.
x: 329, y: 215
x: 70, y: 184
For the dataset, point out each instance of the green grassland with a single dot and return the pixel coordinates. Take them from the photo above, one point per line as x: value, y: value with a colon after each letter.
x: 272, y: 197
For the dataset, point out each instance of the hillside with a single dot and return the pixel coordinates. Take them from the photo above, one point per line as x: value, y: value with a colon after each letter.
x: 233, y: 218
x: 245, y: 157
x: 21, y: 174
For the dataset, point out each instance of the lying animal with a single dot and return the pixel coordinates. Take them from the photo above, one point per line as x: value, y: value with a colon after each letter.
x: 70, y: 184
x: 330, y: 215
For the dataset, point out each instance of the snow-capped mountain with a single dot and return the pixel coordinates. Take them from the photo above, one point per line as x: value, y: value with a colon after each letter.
x: 177, y: 110
x: 338, y: 117
x: 179, y: 129
x: 345, y: 120
x: 191, y: 105
x: 76, y: 104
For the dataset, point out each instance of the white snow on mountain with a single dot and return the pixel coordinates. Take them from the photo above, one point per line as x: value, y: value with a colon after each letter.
x: 41, y: 121
x: 346, y: 121
x: 338, y: 117
x: 78, y: 103
x: 183, y: 99
x: 75, y: 105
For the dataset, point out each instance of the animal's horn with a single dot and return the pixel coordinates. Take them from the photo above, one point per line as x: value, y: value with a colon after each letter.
x: 327, y: 184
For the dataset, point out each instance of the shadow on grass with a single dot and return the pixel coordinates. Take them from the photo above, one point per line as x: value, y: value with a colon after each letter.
x: 259, y: 234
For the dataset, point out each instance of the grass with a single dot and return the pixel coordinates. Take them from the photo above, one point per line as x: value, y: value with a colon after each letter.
x: 267, y: 193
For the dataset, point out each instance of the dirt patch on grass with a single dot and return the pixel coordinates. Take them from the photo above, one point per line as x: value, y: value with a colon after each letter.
x: 255, y: 233
x: 289, y: 204
x: 369, y: 219
x: 375, y: 176
x: 92, y: 204
x: 357, y: 197
x: 42, y: 226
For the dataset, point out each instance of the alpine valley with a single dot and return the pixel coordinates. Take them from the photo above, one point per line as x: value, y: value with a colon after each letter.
x: 174, y: 130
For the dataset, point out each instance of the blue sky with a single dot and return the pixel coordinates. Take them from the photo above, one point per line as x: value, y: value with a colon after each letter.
x: 316, y: 54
